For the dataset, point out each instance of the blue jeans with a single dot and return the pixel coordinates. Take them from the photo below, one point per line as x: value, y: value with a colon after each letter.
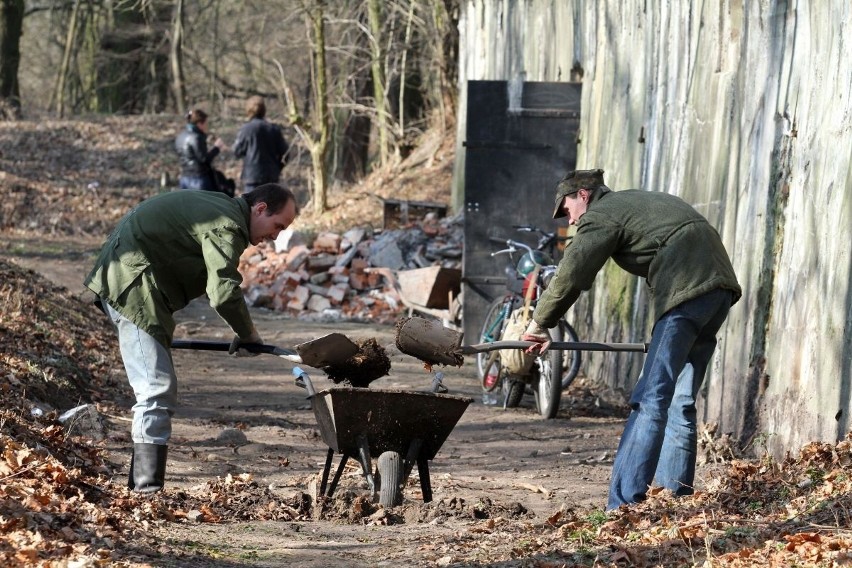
x: 152, y: 377
x: 197, y: 182
x: 660, y: 438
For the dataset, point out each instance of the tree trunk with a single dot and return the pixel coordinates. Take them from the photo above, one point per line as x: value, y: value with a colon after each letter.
x: 402, y: 77
x: 214, y: 74
x: 178, y: 84
x: 445, y: 19
x: 375, y: 17
x: 65, y: 67
x: 320, y: 147
x: 11, y: 24
x: 133, y: 61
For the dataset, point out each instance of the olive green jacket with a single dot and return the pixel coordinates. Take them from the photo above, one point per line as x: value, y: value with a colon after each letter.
x: 171, y: 249
x: 654, y: 235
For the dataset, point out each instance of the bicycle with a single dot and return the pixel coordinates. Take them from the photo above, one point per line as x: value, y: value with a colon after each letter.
x: 556, y: 370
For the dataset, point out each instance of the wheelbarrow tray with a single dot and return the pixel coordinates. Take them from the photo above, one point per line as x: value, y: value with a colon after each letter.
x: 390, y: 419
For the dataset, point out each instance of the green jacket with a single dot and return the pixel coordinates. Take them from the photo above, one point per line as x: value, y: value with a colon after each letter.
x: 653, y: 235
x: 171, y: 249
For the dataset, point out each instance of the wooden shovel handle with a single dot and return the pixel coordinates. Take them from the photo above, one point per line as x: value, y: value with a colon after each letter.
x: 558, y: 345
x: 201, y: 345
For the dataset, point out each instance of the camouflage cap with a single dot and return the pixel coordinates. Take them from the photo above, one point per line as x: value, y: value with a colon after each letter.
x: 574, y: 181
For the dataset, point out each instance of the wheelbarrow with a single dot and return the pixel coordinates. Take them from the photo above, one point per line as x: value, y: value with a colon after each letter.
x: 402, y: 428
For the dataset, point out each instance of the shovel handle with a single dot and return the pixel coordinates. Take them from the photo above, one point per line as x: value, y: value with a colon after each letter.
x: 200, y: 345
x: 557, y: 345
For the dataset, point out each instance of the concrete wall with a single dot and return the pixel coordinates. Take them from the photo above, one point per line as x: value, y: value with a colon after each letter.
x: 743, y: 109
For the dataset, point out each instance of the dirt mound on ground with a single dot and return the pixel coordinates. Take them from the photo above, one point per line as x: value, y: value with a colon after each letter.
x: 57, y: 349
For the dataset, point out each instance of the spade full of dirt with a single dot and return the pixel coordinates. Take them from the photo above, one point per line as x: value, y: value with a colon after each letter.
x: 429, y: 341
x: 371, y: 362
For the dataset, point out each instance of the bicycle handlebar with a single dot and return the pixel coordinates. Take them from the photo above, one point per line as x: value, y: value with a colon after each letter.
x: 513, y: 247
x: 546, y: 239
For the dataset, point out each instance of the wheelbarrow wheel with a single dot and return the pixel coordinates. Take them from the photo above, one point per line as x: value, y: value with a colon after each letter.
x: 390, y: 479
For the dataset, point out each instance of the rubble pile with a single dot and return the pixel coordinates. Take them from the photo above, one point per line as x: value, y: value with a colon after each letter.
x: 349, y: 276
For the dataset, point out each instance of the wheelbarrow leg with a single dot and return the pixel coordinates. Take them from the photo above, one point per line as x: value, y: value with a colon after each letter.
x: 411, y: 456
x: 425, y: 482
x: 326, y: 470
x: 364, y: 455
x: 337, y: 474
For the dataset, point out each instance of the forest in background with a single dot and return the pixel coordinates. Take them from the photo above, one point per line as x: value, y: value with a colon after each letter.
x: 357, y: 82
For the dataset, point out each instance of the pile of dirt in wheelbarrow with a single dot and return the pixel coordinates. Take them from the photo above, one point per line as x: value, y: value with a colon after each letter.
x: 371, y: 362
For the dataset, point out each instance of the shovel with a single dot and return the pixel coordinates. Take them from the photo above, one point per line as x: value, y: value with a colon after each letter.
x: 433, y: 343
x: 331, y: 349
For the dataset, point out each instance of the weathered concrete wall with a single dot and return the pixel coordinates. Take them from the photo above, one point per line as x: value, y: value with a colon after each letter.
x: 743, y: 109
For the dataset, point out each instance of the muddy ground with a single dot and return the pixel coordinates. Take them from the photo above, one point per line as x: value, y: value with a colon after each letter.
x: 498, y: 467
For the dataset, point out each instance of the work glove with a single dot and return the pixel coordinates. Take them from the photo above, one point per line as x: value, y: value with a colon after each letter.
x: 237, y: 351
x: 541, y: 336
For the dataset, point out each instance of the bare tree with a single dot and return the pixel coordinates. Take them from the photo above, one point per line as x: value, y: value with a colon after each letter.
x: 11, y: 25
x: 59, y: 90
x: 176, y: 57
x: 378, y: 71
x: 314, y: 132
x: 133, y: 60
x: 445, y: 20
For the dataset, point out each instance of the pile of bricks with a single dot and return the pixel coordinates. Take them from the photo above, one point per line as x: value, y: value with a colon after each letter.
x: 328, y: 277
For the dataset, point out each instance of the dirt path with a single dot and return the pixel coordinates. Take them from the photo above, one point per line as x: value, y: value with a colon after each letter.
x: 514, y: 458
x: 511, y: 464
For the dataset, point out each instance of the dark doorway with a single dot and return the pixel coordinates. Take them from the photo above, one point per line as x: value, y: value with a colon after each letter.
x: 521, y: 138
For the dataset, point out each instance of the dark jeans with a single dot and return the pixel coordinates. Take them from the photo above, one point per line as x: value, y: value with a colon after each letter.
x: 660, y: 438
x: 197, y: 182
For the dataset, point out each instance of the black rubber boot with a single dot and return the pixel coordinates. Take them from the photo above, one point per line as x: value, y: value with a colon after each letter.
x: 147, y: 468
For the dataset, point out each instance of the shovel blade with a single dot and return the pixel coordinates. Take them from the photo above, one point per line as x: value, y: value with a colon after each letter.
x: 429, y: 341
x: 331, y: 349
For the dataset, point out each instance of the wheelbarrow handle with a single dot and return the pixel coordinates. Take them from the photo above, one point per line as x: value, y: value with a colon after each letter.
x: 201, y: 345
x: 557, y: 345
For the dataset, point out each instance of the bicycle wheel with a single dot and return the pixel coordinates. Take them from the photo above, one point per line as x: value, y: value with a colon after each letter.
x: 491, y: 330
x: 570, y: 359
x: 548, y: 390
x: 513, y: 392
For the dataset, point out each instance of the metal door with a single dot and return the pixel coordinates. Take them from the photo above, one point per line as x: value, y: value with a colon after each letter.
x: 521, y: 139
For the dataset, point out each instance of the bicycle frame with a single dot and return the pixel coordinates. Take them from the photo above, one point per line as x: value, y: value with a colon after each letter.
x: 495, y: 330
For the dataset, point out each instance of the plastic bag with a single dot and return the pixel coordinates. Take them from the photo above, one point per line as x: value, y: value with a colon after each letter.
x: 516, y: 361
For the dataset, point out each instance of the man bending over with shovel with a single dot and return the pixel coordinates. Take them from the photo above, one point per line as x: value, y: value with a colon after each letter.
x: 661, y: 238
x: 168, y: 250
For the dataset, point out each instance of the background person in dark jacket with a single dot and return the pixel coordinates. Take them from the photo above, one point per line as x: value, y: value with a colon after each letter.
x: 170, y: 249
x: 663, y: 239
x: 196, y: 162
x: 262, y: 146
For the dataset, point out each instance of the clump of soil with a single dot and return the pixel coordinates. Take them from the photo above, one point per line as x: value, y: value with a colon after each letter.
x: 352, y: 508
x: 371, y: 362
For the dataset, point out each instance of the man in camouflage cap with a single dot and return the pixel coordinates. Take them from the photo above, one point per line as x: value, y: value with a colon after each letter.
x: 661, y: 238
